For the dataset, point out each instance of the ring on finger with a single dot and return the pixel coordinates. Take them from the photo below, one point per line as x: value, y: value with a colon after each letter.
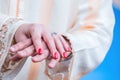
x: 54, y: 33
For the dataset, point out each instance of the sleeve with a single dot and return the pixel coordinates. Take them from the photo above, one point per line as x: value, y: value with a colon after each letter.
x: 8, y: 27
x: 91, y: 36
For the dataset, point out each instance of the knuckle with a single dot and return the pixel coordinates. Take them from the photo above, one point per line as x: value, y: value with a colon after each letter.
x: 37, y: 41
x: 22, y: 53
x: 20, y: 45
x: 50, y: 42
x: 25, y: 52
x: 27, y: 43
x: 56, y: 37
x: 34, y: 24
x: 37, y: 28
x: 49, y: 39
x: 33, y: 27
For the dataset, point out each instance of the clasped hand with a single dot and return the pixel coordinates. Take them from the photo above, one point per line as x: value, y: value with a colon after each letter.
x: 36, y: 40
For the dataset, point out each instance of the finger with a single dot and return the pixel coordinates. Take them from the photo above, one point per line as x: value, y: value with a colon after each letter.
x: 68, y: 55
x: 21, y: 45
x: 39, y: 58
x: 36, y: 37
x: 59, y: 46
x: 29, y: 51
x: 15, y: 58
x: 65, y: 44
x: 50, y: 43
x: 54, y: 62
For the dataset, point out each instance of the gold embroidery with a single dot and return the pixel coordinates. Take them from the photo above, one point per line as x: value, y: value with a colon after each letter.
x: 0, y: 44
x: 3, y: 31
x: 7, y: 65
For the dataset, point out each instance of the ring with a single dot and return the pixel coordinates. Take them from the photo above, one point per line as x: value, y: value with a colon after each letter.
x: 54, y: 33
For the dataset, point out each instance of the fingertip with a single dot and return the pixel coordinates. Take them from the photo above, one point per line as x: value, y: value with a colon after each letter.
x: 36, y: 58
x: 64, y: 54
x: 69, y: 49
x: 51, y: 65
x: 12, y: 49
x: 32, y: 59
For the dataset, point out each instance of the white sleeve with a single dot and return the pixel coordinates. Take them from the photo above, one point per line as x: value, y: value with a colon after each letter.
x: 91, y: 36
x: 8, y: 27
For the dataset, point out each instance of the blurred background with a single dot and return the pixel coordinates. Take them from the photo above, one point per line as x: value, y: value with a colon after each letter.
x: 110, y: 68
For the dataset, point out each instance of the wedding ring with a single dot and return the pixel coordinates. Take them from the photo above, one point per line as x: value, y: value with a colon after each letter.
x: 54, y: 33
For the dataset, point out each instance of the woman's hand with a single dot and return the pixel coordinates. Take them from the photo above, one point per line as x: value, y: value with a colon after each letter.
x: 37, y: 33
x: 26, y: 49
x: 26, y: 44
x: 62, y: 45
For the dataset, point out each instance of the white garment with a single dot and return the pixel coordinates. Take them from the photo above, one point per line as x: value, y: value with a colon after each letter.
x: 88, y: 24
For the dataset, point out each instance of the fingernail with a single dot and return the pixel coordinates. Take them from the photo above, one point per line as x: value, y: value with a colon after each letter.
x: 64, y: 55
x: 56, y: 55
x: 12, y: 49
x: 39, y: 51
x: 69, y: 49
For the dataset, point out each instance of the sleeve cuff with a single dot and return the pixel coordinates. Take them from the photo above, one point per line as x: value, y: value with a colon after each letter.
x: 81, y: 41
x: 12, y: 24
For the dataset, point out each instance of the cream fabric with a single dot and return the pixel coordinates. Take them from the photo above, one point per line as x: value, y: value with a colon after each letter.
x: 88, y: 24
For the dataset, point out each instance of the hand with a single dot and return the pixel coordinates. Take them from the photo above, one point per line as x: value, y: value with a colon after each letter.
x: 37, y: 33
x: 62, y: 45
x: 25, y: 49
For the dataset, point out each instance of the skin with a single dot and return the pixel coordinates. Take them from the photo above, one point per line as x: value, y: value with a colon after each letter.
x: 30, y: 38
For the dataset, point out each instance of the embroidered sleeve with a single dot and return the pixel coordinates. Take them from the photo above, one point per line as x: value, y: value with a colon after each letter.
x: 8, y: 68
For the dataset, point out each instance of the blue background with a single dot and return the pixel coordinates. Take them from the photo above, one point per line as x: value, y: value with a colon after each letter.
x: 110, y: 68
